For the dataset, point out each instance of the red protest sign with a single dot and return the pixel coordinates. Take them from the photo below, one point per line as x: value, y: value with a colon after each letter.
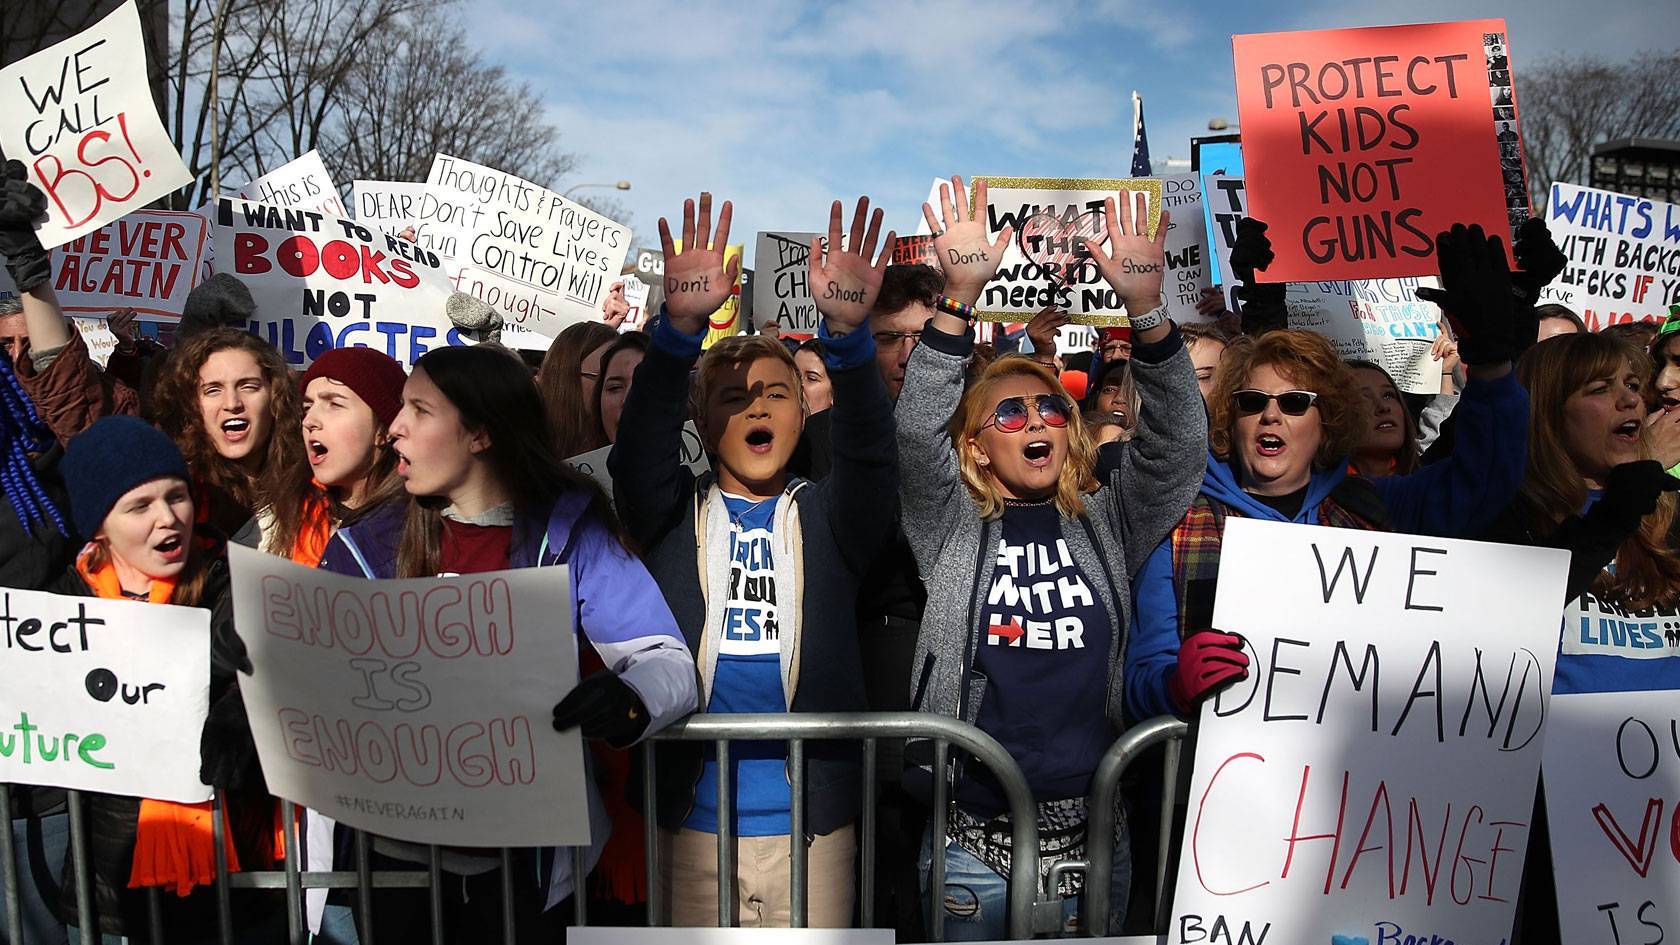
x: 1361, y: 144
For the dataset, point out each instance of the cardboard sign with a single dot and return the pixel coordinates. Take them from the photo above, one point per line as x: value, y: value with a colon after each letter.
x: 96, y: 333
x: 540, y: 259
x: 1227, y: 202
x: 594, y: 462
x: 1368, y: 143
x: 1624, y: 255
x: 149, y: 261
x: 1612, y: 791
x: 1022, y: 287
x: 325, y: 282
x: 416, y: 709
x: 301, y: 184
x: 390, y: 205
x: 1374, y: 774
x: 103, y: 695
x: 783, y: 291
x: 1189, y: 267
x: 80, y: 116
x: 1376, y: 320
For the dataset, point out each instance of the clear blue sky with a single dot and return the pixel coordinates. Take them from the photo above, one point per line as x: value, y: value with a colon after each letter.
x: 782, y: 107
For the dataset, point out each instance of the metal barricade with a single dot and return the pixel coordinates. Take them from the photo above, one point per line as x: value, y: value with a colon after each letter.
x: 1030, y: 910
x: 1099, y: 827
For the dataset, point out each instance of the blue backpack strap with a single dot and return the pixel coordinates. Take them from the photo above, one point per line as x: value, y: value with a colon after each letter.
x: 356, y: 552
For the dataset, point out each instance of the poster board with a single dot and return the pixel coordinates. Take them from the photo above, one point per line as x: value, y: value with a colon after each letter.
x: 594, y: 462
x: 80, y: 116
x: 1376, y: 320
x: 149, y: 260
x: 541, y: 260
x: 1612, y: 769
x: 1623, y: 252
x: 782, y: 292
x: 1189, y: 266
x: 416, y: 709
x: 1368, y: 143
x: 1227, y: 203
x: 300, y: 184
x: 103, y: 695
x: 390, y: 205
x: 1021, y: 288
x: 324, y: 282
x: 1374, y: 774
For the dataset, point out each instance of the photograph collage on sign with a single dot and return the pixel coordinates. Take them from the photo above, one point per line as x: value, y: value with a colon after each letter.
x: 1506, y: 127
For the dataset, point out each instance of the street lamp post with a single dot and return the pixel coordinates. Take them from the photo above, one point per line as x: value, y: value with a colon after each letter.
x: 621, y: 185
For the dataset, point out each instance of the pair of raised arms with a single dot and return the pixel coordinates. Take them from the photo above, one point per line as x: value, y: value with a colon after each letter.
x: 844, y: 282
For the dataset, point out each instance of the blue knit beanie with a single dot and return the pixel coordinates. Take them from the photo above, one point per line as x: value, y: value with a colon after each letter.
x: 109, y: 458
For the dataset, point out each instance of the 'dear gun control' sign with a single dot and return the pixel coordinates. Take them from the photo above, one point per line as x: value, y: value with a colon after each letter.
x: 103, y: 695
x: 1360, y: 145
x: 1374, y: 774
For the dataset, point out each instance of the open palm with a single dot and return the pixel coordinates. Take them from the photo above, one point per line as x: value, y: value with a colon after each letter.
x: 697, y: 282
x: 968, y: 256
x: 845, y: 284
x: 1132, y: 263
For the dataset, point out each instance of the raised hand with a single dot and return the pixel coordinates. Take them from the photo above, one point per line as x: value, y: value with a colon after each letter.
x: 1475, y: 295
x: 845, y: 284
x: 1042, y: 332
x: 614, y: 307
x: 697, y: 282
x: 1132, y: 263
x: 21, y: 204
x: 121, y: 323
x: 1540, y: 258
x: 968, y: 257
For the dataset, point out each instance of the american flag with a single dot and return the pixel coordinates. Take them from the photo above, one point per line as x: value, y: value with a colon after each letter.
x: 1140, y: 140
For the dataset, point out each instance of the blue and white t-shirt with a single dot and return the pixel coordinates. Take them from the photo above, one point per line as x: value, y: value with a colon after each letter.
x: 749, y: 679
x: 1610, y: 648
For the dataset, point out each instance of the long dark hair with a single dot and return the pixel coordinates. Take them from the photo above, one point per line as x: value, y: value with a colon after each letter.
x: 560, y: 380
x: 284, y: 483
x: 495, y: 396
x: 1406, y: 459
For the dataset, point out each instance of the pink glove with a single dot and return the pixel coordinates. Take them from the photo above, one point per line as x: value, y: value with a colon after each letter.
x: 1206, y: 661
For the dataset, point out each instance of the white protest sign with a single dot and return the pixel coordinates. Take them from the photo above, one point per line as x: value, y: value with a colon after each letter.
x: 1188, y: 263
x: 324, y: 282
x: 1227, y: 203
x: 1023, y: 285
x: 1624, y: 255
x: 416, y: 709
x: 1597, y: 626
x: 101, y: 343
x: 103, y: 695
x: 541, y: 259
x: 1613, y: 809
x: 594, y: 462
x: 636, y: 296
x: 602, y: 935
x: 1374, y: 774
x: 79, y: 115
x: 148, y: 261
x: 782, y: 286
x: 300, y: 184
x: 1376, y: 320
x: 388, y: 204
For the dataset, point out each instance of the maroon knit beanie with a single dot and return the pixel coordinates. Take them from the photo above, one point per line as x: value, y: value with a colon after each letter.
x: 374, y: 375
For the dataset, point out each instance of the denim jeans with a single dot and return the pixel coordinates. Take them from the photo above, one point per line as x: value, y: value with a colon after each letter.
x: 41, y: 844
x: 976, y: 899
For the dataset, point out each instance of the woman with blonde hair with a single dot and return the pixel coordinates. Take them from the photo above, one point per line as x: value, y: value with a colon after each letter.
x: 1028, y: 559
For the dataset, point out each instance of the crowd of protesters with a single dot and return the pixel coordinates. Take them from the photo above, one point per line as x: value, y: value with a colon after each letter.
x: 895, y: 519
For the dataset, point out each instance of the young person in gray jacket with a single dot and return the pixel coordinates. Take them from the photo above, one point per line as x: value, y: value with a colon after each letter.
x: 1028, y: 559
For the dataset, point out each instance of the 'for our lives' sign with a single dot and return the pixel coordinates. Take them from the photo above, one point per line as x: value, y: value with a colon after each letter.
x: 417, y: 709
x: 79, y: 115
x: 1613, y: 808
x: 323, y: 282
x: 103, y: 695
x: 1374, y: 774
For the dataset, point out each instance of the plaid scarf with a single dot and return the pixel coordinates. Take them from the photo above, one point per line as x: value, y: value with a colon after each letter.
x: 1196, y: 541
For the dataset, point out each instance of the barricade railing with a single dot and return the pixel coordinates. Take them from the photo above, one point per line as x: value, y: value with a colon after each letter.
x: 1031, y: 908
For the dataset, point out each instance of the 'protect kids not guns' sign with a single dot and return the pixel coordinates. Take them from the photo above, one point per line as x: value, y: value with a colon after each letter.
x: 103, y: 695
x: 1374, y: 774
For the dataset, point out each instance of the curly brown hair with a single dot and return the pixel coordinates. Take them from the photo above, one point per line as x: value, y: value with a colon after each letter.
x: 284, y: 483
x: 1311, y: 363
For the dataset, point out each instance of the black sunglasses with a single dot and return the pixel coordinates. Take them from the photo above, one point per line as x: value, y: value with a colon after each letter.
x: 1011, y: 413
x: 1292, y: 402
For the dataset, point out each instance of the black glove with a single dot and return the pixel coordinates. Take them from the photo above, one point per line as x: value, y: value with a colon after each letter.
x: 605, y: 707
x: 227, y: 752
x: 1540, y: 259
x: 1263, y: 307
x: 1631, y: 492
x: 1476, y: 295
x: 21, y: 204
